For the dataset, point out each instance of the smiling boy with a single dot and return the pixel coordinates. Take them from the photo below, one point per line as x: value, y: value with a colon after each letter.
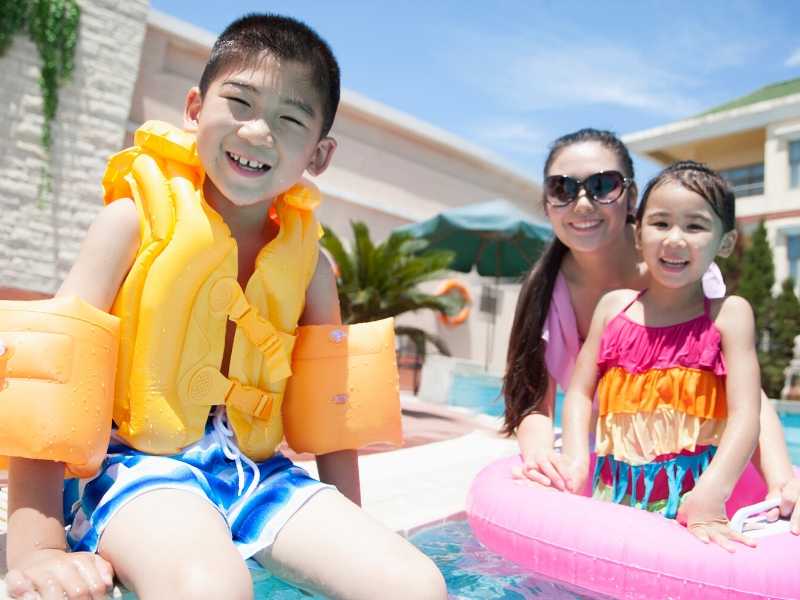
x: 178, y: 522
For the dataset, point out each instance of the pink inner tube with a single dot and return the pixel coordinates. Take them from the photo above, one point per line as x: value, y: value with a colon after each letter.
x: 622, y: 551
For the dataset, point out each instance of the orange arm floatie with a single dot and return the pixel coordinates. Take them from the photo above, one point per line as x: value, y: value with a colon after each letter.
x: 57, y: 381
x: 344, y: 392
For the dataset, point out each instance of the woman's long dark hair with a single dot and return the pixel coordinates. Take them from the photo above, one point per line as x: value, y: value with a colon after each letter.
x: 526, y: 379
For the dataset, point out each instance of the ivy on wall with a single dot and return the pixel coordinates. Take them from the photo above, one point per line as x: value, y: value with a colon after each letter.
x: 53, y: 26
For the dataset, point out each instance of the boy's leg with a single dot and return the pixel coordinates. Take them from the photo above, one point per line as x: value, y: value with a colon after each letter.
x: 174, y: 544
x: 332, y: 547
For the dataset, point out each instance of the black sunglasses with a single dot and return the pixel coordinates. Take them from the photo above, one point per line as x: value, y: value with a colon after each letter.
x: 604, y: 187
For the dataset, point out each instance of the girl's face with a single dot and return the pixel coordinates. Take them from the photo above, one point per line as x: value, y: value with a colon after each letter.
x: 679, y: 236
x: 584, y: 225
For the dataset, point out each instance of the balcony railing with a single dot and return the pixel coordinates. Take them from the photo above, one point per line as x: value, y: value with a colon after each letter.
x: 748, y: 189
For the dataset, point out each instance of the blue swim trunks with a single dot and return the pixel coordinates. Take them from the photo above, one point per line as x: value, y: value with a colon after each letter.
x: 255, y: 499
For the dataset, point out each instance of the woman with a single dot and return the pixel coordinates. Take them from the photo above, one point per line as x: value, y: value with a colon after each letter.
x: 590, y: 197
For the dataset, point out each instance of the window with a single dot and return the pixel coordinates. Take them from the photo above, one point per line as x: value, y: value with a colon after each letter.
x: 793, y: 255
x: 746, y: 181
x: 794, y: 164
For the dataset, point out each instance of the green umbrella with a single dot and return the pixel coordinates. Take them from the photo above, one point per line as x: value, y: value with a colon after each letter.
x: 496, y: 237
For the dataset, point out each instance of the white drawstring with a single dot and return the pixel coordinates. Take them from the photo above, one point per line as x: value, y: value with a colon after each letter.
x: 225, y: 439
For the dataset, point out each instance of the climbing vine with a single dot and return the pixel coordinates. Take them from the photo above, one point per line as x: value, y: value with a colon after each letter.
x: 53, y: 27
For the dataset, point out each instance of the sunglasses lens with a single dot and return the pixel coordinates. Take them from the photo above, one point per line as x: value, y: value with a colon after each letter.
x: 561, y: 190
x: 605, y: 186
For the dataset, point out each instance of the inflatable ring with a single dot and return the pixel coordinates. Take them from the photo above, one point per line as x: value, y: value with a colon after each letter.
x: 453, y: 285
x: 624, y: 552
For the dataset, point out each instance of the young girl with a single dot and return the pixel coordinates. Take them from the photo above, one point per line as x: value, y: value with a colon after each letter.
x: 594, y: 252
x: 672, y: 417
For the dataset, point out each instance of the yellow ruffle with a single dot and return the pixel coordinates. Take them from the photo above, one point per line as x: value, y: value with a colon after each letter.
x: 639, y: 438
x: 690, y: 391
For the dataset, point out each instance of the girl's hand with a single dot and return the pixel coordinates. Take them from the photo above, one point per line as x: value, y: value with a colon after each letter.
x: 55, y: 574
x: 789, y: 493
x: 704, y: 516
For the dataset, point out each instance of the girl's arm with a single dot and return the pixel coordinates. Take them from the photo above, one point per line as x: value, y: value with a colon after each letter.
x: 772, y: 460
x: 36, y: 543
x: 580, y: 395
x: 704, y: 509
x: 322, y: 308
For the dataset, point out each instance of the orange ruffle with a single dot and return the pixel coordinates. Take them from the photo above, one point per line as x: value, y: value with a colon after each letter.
x: 690, y: 391
x: 639, y: 438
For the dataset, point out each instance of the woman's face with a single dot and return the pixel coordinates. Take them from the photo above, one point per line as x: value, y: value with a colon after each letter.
x: 584, y: 225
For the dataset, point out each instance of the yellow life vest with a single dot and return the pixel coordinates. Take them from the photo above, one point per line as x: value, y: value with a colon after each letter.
x: 175, y: 302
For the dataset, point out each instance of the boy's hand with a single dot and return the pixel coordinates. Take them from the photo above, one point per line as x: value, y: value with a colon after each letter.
x: 704, y: 516
x: 55, y: 574
x: 789, y: 493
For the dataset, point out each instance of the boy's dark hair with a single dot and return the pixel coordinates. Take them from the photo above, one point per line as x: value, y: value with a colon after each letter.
x: 244, y: 42
x: 526, y: 378
x: 703, y: 181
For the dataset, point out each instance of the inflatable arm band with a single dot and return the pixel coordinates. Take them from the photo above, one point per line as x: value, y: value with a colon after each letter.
x: 344, y: 392
x: 57, y: 381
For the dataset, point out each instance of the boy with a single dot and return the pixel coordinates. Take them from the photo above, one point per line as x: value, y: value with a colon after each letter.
x: 261, y: 115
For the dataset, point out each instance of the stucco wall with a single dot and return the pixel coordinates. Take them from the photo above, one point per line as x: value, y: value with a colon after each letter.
x: 40, y: 240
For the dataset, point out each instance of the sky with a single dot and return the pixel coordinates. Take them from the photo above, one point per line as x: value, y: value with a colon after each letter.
x: 511, y: 76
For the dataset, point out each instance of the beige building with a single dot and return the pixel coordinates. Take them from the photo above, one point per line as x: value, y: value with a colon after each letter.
x: 389, y: 169
x: 754, y: 141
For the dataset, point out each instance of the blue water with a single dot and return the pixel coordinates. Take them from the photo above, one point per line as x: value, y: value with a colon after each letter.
x: 791, y: 429
x: 471, y: 571
x: 481, y: 393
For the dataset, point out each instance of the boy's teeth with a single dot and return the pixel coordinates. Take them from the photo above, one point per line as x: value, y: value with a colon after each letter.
x: 245, y: 162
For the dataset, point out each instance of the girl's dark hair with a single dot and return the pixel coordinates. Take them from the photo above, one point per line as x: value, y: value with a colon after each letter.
x: 526, y: 378
x: 700, y: 179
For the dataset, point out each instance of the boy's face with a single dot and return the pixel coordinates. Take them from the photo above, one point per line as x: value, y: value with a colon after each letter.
x: 258, y: 130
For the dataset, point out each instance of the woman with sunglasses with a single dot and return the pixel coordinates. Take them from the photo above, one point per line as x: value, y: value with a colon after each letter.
x: 590, y: 199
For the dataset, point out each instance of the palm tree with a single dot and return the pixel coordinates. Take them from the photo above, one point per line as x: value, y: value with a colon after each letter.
x: 380, y: 281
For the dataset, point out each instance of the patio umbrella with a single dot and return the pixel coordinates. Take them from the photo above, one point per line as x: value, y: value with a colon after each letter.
x: 494, y: 237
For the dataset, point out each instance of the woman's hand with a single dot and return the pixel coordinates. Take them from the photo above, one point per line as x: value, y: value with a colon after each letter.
x: 704, y: 516
x: 55, y: 574
x: 789, y: 494
x: 553, y: 469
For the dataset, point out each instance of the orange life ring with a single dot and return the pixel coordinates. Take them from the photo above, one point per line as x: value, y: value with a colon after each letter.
x: 453, y: 285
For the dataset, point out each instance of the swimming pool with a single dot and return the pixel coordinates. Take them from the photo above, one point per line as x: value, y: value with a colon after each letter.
x: 472, y: 572
x: 481, y: 393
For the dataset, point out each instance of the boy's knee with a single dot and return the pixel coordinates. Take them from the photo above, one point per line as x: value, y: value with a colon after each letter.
x: 429, y: 582
x: 203, y: 581
x: 421, y: 580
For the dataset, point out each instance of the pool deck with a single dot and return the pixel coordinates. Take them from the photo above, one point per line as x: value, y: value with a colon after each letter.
x: 421, y: 484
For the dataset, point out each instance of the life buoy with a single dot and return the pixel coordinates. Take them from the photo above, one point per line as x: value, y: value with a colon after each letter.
x: 454, y: 286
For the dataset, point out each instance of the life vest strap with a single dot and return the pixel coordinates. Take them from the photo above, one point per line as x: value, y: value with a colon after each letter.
x: 209, y: 387
x: 251, y: 400
x: 227, y: 297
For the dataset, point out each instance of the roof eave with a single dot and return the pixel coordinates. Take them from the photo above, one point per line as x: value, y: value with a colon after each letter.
x: 744, y: 118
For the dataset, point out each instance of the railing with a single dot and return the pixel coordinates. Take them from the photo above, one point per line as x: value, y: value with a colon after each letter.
x: 748, y: 189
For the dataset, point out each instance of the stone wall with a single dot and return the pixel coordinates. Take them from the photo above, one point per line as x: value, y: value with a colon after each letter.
x: 40, y: 239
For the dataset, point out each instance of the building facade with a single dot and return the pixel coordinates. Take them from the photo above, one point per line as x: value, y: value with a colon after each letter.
x: 754, y: 141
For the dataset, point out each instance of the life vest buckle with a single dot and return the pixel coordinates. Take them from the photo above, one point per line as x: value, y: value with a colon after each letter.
x: 251, y: 400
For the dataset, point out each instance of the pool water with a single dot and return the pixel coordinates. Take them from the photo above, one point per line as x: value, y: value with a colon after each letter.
x: 481, y: 392
x: 471, y: 571
x: 791, y: 429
